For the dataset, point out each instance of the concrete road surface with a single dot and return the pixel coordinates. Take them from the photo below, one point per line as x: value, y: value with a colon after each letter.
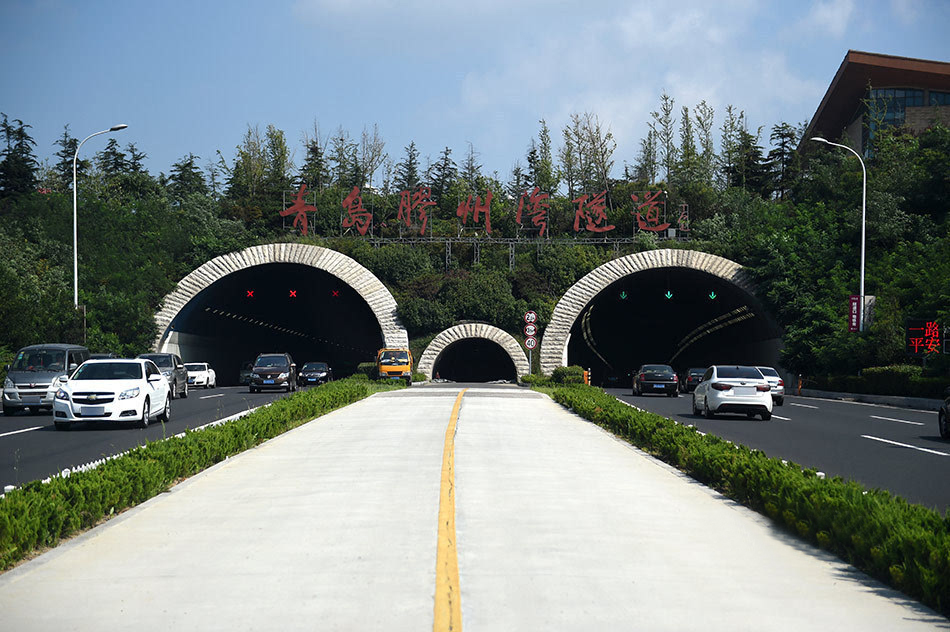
x: 336, y: 526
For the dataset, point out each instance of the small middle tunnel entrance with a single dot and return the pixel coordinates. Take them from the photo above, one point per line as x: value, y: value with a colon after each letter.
x: 474, y: 360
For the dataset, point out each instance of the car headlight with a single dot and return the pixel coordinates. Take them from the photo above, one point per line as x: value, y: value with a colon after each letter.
x: 283, y: 376
x: 130, y: 393
x: 62, y: 395
x: 8, y: 383
x: 167, y: 374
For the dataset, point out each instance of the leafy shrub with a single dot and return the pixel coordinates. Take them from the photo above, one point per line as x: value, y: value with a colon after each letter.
x: 897, y: 380
x: 905, y: 545
x: 568, y: 375
x: 366, y: 368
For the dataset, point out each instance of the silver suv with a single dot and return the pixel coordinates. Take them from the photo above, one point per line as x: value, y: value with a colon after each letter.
x: 34, y: 377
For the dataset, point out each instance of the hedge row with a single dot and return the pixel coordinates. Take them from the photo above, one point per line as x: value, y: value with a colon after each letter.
x: 904, y: 545
x: 40, y: 514
x: 900, y: 380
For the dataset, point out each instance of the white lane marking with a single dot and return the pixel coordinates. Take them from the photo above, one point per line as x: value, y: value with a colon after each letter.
x: 900, y: 421
x: 7, y: 434
x: 904, y: 445
x: 211, y: 396
x: 802, y: 405
x: 782, y: 418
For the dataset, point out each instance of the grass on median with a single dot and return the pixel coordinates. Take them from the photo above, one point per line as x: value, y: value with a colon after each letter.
x: 39, y: 515
x: 904, y: 545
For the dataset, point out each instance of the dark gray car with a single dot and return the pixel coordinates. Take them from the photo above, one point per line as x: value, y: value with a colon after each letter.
x: 173, y: 369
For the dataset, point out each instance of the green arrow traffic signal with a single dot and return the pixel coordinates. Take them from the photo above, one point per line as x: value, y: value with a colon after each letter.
x: 668, y: 294
x: 712, y: 296
x: 623, y: 295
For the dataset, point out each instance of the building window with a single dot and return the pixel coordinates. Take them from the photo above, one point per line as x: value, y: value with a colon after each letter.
x: 939, y: 98
x: 885, y: 107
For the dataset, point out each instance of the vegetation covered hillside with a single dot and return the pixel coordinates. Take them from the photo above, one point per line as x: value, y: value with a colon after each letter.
x: 792, y: 217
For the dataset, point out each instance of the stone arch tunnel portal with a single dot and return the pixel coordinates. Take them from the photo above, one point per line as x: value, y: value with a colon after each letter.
x: 679, y: 316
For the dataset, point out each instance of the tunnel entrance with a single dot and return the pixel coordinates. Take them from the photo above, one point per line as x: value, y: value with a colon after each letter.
x: 474, y: 360
x: 679, y: 316
x: 277, y: 307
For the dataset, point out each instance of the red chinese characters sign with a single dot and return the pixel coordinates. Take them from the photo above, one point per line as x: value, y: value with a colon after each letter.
x: 299, y: 209
x: 466, y: 208
x: 922, y: 337
x: 418, y: 202
x: 356, y: 215
x: 650, y: 204
x: 592, y: 213
x: 537, y: 208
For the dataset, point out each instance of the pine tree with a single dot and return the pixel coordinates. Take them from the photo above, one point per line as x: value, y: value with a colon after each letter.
x: 111, y: 161
x: 186, y: 179
x: 443, y: 173
x: 18, y: 165
x: 783, y: 159
x: 407, y: 171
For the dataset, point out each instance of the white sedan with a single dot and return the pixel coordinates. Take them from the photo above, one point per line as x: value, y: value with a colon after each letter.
x: 201, y: 374
x: 113, y: 390
x: 733, y: 389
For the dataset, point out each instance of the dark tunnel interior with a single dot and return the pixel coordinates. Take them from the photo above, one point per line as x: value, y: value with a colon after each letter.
x: 677, y: 316
x: 278, y: 307
x: 474, y: 360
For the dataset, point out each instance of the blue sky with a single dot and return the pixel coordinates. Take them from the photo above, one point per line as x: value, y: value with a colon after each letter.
x: 190, y: 76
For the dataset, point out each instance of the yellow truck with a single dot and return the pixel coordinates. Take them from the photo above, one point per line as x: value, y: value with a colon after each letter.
x: 394, y: 364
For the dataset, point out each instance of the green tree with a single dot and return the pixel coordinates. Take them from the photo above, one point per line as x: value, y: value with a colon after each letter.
x: 18, y: 165
x: 186, y: 179
x: 407, y: 170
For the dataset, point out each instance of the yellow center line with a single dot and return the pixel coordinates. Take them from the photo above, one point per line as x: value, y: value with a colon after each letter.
x: 448, y: 602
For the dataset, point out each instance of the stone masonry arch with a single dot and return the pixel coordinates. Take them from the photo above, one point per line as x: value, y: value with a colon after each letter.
x: 347, y: 270
x: 472, y: 330
x: 569, y: 308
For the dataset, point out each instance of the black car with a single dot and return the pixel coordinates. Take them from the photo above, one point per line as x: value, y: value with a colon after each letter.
x: 691, y: 378
x: 656, y: 378
x: 273, y: 370
x: 943, y: 417
x: 315, y: 373
x: 173, y: 369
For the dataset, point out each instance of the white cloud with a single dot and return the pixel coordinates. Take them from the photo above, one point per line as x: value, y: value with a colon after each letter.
x: 830, y: 16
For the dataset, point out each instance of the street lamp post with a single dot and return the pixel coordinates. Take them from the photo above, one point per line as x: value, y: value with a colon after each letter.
x: 864, y: 197
x: 114, y: 128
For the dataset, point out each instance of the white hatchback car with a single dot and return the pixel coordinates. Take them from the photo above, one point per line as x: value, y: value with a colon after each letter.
x: 201, y: 374
x: 113, y: 390
x: 733, y: 389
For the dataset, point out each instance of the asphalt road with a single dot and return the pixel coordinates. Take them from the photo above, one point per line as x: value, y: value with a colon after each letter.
x: 896, y: 449
x: 32, y: 449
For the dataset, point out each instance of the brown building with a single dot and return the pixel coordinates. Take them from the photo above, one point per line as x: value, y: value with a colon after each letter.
x: 870, y: 90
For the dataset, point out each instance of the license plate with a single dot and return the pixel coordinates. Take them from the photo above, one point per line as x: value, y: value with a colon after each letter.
x: 93, y: 411
x: 745, y: 391
x: 32, y: 399
x: 268, y: 381
x: 659, y: 386
x: 395, y: 377
x: 191, y: 380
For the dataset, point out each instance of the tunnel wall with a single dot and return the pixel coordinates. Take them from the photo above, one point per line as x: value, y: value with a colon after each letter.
x: 366, y: 284
x: 569, y: 308
x: 472, y: 330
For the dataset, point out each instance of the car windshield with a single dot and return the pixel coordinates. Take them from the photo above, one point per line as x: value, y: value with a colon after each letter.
x: 394, y: 357
x: 160, y: 360
x: 742, y: 372
x: 657, y: 368
x: 271, y: 360
x: 697, y: 371
x: 315, y: 366
x: 109, y: 371
x: 768, y: 371
x: 196, y: 366
x: 40, y: 360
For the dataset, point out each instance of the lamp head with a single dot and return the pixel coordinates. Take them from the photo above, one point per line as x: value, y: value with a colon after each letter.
x: 819, y: 139
x: 116, y: 128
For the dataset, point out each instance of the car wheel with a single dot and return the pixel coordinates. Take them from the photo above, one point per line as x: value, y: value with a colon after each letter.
x: 696, y: 410
x: 62, y: 425
x: 779, y: 401
x: 184, y: 392
x: 707, y: 413
x: 146, y: 411
x: 252, y: 389
x: 943, y: 425
x: 166, y: 415
x: 7, y: 411
x: 766, y: 415
x: 174, y: 390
